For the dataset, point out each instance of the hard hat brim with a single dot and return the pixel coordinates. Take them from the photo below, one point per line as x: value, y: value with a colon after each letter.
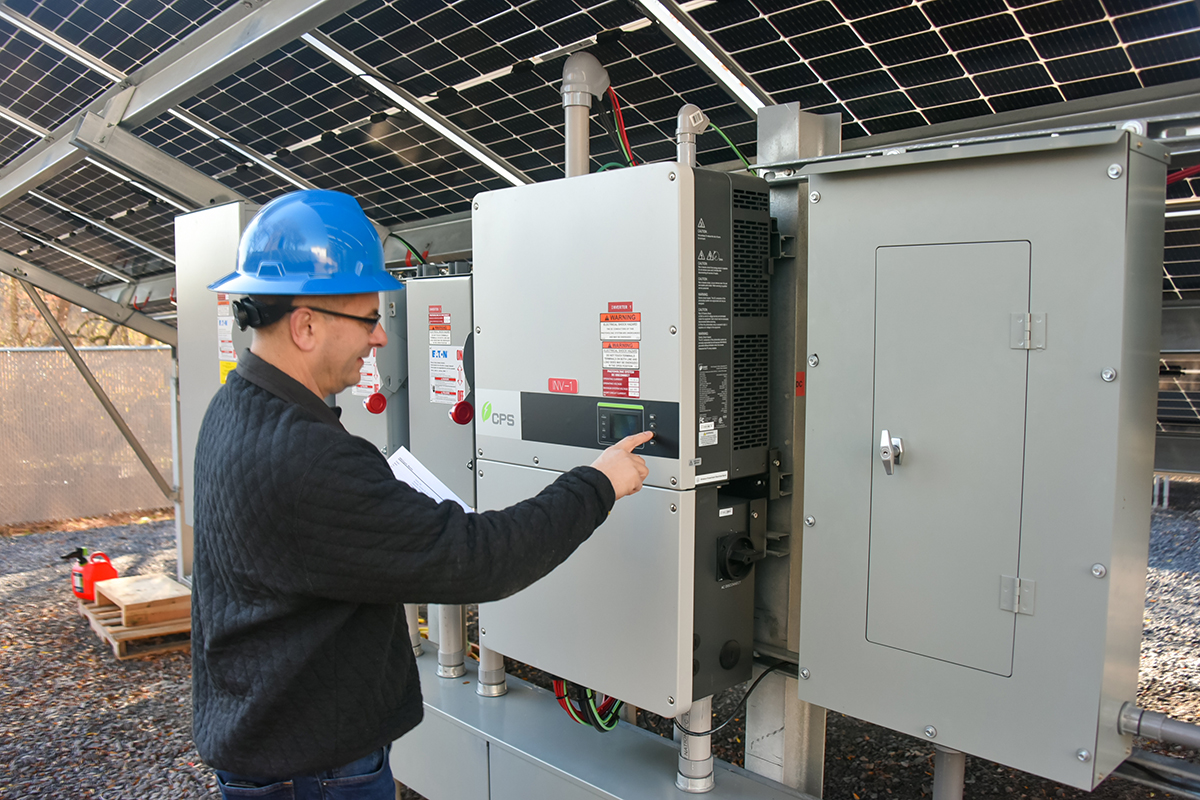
x: 240, y: 283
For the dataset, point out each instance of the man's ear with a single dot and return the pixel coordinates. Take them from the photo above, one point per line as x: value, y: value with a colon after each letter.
x: 302, y: 329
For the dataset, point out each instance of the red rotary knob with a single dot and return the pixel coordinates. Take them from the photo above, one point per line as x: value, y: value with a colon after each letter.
x: 376, y: 403
x: 462, y: 413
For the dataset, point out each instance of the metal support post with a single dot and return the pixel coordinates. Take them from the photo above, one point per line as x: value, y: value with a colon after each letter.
x: 61, y: 335
x: 491, y: 674
x: 949, y: 772
x: 451, y: 661
x: 412, y: 615
x: 695, y: 752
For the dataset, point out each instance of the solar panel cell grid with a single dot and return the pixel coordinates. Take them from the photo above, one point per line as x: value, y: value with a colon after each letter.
x: 104, y: 197
x: 13, y: 141
x: 41, y: 84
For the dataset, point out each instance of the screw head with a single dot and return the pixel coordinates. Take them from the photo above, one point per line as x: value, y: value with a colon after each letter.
x: 674, y: 330
x: 930, y: 732
x: 470, y: 465
x: 483, y: 631
x: 1108, y: 374
x: 670, y: 176
x: 804, y: 673
x: 673, y: 481
x: 814, y: 197
x: 1083, y: 755
x: 674, y: 508
x: 1099, y: 570
x: 754, y: 514
x: 1114, y: 171
x: 475, y: 206
x: 813, y: 360
x: 479, y: 451
x: 810, y: 520
x: 481, y: 473
x: 478, y: 329
x: 670, y: 701
x: 535, y: 460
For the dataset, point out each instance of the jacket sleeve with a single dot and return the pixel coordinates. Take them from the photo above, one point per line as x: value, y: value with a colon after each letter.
x: 360, y: 535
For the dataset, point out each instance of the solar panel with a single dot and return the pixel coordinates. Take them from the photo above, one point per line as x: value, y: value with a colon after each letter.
x: 893, y: 64
x: 1181, y: 258
x: 14, y: 140
x: 41, y: 84
x: 1179, y: 394
x: 126, y: 34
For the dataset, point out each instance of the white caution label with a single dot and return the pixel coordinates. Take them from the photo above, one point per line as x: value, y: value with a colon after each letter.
x: 712, y: 477
x: 368, y: 377
x: 444, y: 370
x: 706, y: 439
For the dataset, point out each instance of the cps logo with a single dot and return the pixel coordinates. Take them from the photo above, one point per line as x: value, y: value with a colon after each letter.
x: 498, y: 418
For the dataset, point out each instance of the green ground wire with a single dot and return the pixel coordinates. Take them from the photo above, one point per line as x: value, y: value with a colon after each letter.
x: 412, y: 249
x: 611, y: 165
x: 731, y: 144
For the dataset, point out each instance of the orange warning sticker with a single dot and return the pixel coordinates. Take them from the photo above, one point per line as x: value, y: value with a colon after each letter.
x: 621, y: 355
x: 621, y: 327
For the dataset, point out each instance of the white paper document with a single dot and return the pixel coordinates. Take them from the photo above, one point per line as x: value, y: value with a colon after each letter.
x: 407, y: 468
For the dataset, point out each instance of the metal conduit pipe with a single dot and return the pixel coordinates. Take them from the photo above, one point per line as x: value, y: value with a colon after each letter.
x: 491, y: 674
x: 1153, y: 725
x: 583, y: 79
x: 949, y: 774
x: 451, y: 660
x: 695, y: 752
x: 690, y: 123
x: 412, y: 617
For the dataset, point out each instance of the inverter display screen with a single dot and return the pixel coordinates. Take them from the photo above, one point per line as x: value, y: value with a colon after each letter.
x: 625, y: 425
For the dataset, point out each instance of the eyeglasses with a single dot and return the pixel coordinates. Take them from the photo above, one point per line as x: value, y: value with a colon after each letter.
x: 370, y: 321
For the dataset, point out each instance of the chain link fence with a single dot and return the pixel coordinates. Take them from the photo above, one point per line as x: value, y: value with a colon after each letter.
x: 61, y: 456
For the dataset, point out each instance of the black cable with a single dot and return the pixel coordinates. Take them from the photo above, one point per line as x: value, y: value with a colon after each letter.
x: 412, y: 249
x: 610, y: 127
x: 740, y: 705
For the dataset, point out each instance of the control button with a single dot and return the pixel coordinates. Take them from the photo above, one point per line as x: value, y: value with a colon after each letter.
x: 462, y: 413
x: 376, y: 403
x: 731, y: 654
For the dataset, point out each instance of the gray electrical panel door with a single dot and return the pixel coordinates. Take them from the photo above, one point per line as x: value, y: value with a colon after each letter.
x: 942, y: 317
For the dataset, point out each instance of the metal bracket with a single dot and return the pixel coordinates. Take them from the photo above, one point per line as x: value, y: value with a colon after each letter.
x: 779, y: 482
x: 1017, y: 595
x: 114, y: 112
x: 1027, y: 332
x: 782, y: 246
x: 783, y: 544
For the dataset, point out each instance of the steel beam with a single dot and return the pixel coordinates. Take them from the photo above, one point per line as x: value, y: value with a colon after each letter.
x: 446, y: 238
x: 1157, y: 102
x: 101, y: 395
x: 72, y: 292
x: 117, y: 146
x: 229, y: 42
x: 140, y: 292
x: 1177, y: 452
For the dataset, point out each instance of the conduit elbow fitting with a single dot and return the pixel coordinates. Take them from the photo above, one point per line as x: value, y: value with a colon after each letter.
x: 583, y: 78
x: 690, y: 123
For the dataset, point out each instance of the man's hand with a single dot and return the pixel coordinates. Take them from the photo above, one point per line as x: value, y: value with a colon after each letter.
x: 624, y: 470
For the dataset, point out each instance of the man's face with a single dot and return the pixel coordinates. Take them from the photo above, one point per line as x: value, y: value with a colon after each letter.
x: 344, y: 342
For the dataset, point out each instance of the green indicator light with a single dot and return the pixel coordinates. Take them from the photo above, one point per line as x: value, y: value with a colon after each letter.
x: 620, y: 405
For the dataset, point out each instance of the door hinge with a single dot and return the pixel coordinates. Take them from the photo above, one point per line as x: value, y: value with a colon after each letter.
x: 1027, y: 332
x: 1017, y: 595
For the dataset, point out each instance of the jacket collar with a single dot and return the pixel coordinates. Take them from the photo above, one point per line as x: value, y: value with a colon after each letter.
x: 267, y: 376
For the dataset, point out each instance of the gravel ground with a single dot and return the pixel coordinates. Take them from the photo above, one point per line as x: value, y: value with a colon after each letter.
x: 77, y: 723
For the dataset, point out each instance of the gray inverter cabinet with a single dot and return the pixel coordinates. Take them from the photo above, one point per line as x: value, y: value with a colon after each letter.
x: 979, y: 442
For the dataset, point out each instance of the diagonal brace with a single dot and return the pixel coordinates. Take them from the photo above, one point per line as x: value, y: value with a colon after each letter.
x: 64, y: 340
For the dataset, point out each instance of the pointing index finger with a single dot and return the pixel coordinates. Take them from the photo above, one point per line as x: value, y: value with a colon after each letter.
x: 635, y: 440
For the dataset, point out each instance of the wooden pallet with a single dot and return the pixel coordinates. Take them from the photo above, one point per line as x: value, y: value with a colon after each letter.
x: 140, y: 616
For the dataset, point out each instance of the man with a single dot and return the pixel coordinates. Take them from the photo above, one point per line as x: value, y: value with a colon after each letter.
x: 306, y: 545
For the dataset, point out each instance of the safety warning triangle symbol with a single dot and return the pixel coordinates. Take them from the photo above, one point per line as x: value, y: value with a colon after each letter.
x: 700, y: 224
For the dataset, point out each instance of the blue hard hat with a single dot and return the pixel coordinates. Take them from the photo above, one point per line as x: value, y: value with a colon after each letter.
x: 309, y: 242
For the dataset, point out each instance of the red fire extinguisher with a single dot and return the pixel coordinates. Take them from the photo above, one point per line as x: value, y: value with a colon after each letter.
x: 87, y: 572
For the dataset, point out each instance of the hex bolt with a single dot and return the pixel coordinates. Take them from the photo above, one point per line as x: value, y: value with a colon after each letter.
x: 776, y: 462
x: 1108, y: 374
x: 1114, y: 171
x: 804, y: 673
x: 930, y: 731
x: 810, y: 520
x: 813, y: 360
x: 1083, y: 755
x: 754, y: 514
x: 1099, y: 570
x: 814, y: 197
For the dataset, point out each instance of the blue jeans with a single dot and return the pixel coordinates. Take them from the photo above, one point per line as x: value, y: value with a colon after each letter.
x: 368, y: 778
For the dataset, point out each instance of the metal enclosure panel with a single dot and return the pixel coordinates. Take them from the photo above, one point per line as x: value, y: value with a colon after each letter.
x: 206, y: 243
x: 547, y: 326
x: 617, y: 615
x: 388, y: 431
x: 961, y: 297
x: 445, y: 447
x: 515, y: 778
x: 441, y: 760
x: 1095, y: 244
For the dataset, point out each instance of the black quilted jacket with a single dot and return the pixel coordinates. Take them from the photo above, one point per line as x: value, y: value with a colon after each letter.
x: 305, y: 545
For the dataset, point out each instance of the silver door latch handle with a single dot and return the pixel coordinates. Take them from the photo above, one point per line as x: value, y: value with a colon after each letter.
x: 891, y: 451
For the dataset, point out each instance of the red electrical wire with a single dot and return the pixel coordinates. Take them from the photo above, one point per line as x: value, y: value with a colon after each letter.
x: 621, y: 125
x: 1183, y: 173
